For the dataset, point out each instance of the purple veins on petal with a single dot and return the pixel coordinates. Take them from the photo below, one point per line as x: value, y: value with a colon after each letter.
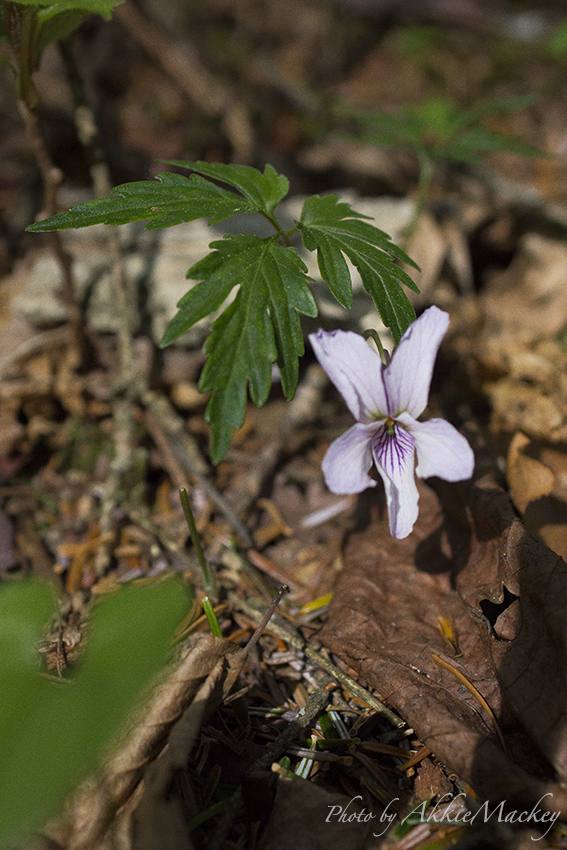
x: 393, y: 451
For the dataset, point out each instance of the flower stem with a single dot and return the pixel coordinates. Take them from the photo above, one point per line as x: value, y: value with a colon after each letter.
x: 209, y: 612
x: 209, y: 582
x: 371, y: 332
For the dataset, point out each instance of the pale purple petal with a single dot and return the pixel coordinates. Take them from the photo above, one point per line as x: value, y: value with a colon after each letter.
x: 348, y: 460
x: 408, y: 376
x: 441, y: 450
x: 356, y: 371
x: 394, y: 456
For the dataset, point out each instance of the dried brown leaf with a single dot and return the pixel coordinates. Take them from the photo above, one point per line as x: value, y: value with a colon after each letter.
x: 467, y: 560
x: 538, y: 273
x: 176, y: 707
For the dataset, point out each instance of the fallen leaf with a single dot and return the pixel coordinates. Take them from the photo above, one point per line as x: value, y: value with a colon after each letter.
x: 177, y: 707
x: 538, y: 269
x: 471, y: 561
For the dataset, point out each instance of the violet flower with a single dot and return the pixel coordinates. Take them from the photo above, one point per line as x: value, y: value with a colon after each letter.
x: 386, y: 402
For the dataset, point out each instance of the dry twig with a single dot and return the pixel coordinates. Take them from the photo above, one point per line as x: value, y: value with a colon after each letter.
x: 51, y: 178
x: 291, y: 636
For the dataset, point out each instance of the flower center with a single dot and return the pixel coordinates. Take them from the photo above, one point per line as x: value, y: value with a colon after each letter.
x: 390, y: 424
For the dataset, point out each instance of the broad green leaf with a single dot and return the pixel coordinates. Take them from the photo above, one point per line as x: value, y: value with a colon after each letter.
x: 53, y: 732
x: 336, y: 231
x: 98, y: 7
x: 24, y: 610
x: 263, y: 191
x: 258, y: 328
x: 170, y: 199
x: 54, y: 27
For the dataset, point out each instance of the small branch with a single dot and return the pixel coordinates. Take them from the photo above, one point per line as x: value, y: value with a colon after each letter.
x: 268, y: 614
x: 286, y: 237
x: 51, y: 178
x: 125, y: 388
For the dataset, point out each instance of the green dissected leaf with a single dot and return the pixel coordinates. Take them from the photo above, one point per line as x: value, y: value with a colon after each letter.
x: 170, y: 199
x: 259, y: 327
x: 173, y: 198
x: 470, y: 145
x: 53, y: 732
x: 288, y: 295
x: 439, y: 130
x: 263, y: 191
x: 405, y: 129
x: 493, y: 107
x: 99, y: 7
x: 334, y: 230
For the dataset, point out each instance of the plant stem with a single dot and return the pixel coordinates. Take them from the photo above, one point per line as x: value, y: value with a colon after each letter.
x: 278, y: 228
x: 23, y: 30
x: 426, y: 171
x: 209, y: 582
x: 211, y: 616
